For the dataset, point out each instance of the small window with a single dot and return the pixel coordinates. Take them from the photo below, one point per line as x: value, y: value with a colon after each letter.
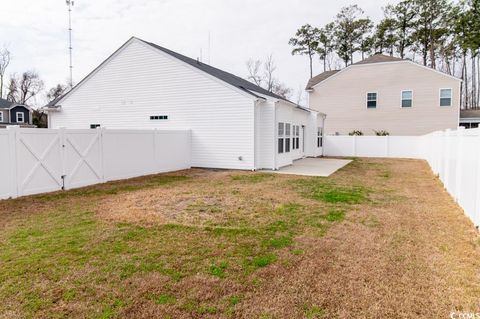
x: 319, y: 137
x: 281, y: 132
x: 158, y: 117
x: 445, y: 97
x: 371, y: 100
x: 92, y: 126
x: 287, y: 137
x: 20, y: 117
x: 407, y: 98
x: 1, y: 116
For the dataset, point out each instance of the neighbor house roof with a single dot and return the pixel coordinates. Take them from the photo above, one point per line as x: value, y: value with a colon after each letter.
x: 470, y: 114
x: 376, y: 58
x: 379, y: 58
x: 242, y: 84
x: 319, y: 78
x: 4, y: 104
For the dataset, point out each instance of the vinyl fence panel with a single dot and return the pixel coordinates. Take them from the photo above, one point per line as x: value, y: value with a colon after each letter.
x: 42, y: 160
x: 453, y: 155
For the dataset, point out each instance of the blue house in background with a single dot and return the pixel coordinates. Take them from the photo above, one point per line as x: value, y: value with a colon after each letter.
x: 12, y: 113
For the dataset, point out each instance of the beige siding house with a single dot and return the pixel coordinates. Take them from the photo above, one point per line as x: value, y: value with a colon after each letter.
x: 386, y: 93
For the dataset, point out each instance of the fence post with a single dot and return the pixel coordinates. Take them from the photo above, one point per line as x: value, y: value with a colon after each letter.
x: 446, y: 158
x: 354, y: 141
x: 12, y: 150
x: 63, y: 140
x: 458, y: 163
x: 100, y: 131
x: 387, y: 146
x: 476, y: 218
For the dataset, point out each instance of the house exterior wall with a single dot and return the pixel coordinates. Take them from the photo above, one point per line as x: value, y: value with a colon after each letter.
x: 5, y: 116
x: 265, y: 146
x: 140, y: 81
x: 343, y: 98
x: 285, y: 113
x: 20, y: 109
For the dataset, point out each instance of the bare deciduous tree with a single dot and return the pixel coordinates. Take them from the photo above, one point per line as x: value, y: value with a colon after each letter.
x: 263, y: 75
x: 5, y: 58
x: 22, y: 89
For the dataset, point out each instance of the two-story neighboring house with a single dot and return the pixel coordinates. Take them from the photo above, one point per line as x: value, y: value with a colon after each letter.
x: 386, y: 93
x: 12, y: 113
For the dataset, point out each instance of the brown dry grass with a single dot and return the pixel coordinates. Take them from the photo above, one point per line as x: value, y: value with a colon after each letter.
x: 186, y: 245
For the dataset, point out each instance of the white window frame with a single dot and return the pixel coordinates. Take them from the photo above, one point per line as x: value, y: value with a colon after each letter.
x: 281, y: 136
x: 376, y: 100
x: 401, y: 99
x: 288, y: 137
x: 17, y: 117
x: 440, y: 97
x: 1, y: 116
x: 319, y: 137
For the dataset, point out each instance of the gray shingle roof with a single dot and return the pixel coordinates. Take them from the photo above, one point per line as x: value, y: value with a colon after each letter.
x: 377, y: 58
x: 231, y: 79
x: 242, y: 84
x: 321, y: 77
x: 4, y: 104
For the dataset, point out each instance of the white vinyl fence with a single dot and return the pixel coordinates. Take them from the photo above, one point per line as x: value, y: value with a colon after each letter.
x: 34, y: 161
x: 454, y: 155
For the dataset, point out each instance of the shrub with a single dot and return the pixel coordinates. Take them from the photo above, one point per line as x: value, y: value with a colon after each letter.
x: 381, y: 133
x: 355, y: 132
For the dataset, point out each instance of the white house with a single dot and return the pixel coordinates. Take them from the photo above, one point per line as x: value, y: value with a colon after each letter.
x: 234, y: 124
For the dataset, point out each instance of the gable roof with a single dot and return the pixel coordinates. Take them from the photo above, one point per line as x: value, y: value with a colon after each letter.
x: 379, y: 58
x: 319, y: 78
x: 4, y: 104
x: 231, y: 79
x: 376, y: 58
x: 219, y: 74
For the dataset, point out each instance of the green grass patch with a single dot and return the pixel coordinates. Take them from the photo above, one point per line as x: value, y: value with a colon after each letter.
x: 164, y: 299
x: 335, y: 216
x: 313, y: 312
x: 253, y: 178
x: 264, y: 260
x: 218, y: 270
x: 279, y: 242
x: 322, y: 190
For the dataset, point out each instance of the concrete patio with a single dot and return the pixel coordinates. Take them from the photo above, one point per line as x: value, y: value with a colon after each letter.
x: 314, y: 167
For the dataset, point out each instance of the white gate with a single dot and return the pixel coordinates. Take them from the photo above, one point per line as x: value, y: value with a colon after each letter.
x: 39, y: 164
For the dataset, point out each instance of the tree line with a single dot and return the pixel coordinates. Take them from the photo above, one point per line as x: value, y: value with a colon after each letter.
x: 24, y: 88
x: 440, y: 34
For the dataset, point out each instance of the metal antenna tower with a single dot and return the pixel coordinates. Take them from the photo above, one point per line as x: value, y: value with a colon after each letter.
x: 70, y: 4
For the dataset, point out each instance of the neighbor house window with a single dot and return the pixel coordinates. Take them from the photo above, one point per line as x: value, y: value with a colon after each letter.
x: 319, y: 137
x: 281, y: 137
x: 371, y: 100
x: 94, y: 125
x: 445, y: 97
x: 407, y: 98
x: 20, y: 117
x: 1, y: 116
x: 159, y: 117
x: 287, y: 137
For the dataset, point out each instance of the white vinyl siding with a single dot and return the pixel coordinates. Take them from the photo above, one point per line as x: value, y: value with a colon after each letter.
x: 141, y: 81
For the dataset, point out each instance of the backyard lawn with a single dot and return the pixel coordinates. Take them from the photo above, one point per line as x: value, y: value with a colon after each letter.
x: 378, y: 239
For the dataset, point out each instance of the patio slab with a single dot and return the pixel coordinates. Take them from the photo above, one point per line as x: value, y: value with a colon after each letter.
x: 313, y: 167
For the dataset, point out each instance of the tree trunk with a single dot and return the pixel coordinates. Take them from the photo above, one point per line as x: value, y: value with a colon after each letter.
x: 474, y: 90
x: 1, y: 87
x: 311, y: 67
x: 465, y: 77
